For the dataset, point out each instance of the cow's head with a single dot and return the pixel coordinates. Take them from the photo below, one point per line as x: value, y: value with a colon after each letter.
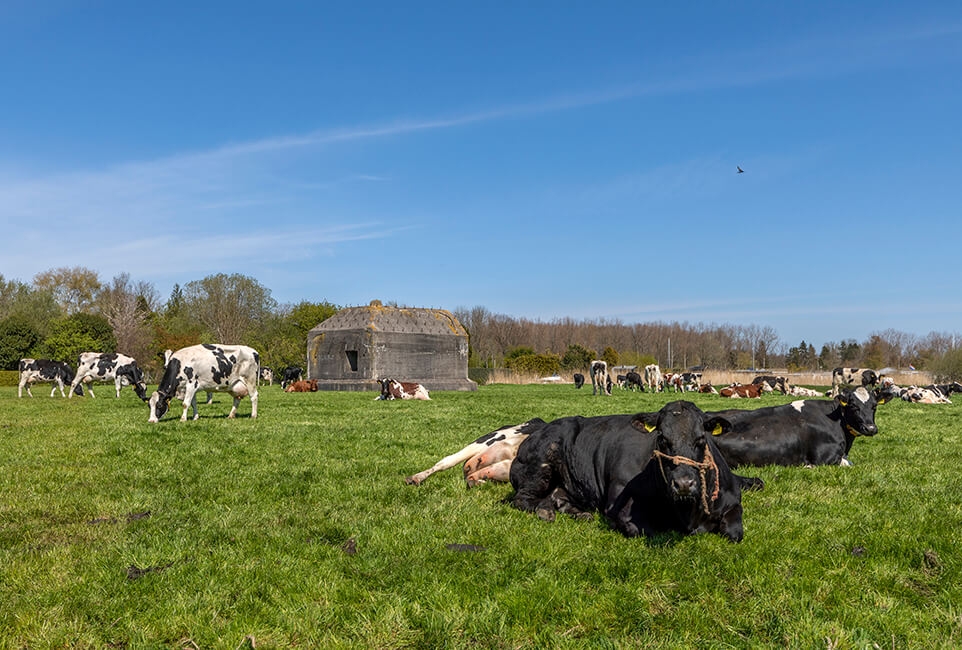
x: 159, y: 403
x: 682, y: 430
x: 385, y: 388
x: 857, y: 409
x: 870, y: 378
x: 954, y: 387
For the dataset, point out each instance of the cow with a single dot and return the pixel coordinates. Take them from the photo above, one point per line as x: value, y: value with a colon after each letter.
x: 599, y: 378
x: 770, y: 383
x: 917, y: 395
x: 579, y: 380
x: 805, y: 432
x: 742, y: 390
x: 646, y: 473
x: 291, y: 373
x: 854, y: 377
x: 633, y: 380
x: 653, y: 377
x: 691, y: 381
x: 801, y: 391
x: 108, y: 366
x: 210, y: 394
x: 34, y: 371
x: 708, y: 389
x: 309, y: 386
x: 944, y: 390
x: 267, y: 374
x: 215, y: 367
x: 501, y: 444
x: 393, y: 389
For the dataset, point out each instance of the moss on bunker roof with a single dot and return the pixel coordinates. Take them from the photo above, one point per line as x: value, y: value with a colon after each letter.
x: 381, y: 318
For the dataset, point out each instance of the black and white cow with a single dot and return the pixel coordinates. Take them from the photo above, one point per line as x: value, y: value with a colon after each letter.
x: 647, y: 473
x: 291, y: 373
x: 210, y: 394
x: 944, y: 390
x: 600, y: 379
x: 691, y: 381
x: 633, y: 380
x: 230, y: 368
x: 854, y: 377
x: 267, y: 374
x: 109, y: 366
x: 653, y: 377
x: 489, y: 451
x: 805, y: 432
x: 771, y: 383
x: 579, y: 380
x: 33, y: 371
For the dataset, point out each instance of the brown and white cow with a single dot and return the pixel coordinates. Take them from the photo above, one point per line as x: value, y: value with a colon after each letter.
x: 394, y: 389
x: 308, y: 386
x: 708, y: 389
x: 486, y: 459
x: 741, y: 390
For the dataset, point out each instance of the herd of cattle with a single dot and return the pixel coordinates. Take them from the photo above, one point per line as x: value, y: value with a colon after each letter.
x: 670, y: 470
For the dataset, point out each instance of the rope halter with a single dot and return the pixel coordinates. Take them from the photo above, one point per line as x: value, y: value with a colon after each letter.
x: 707, y: 464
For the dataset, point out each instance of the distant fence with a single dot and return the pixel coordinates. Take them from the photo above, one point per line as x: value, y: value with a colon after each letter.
x: 716, y: 377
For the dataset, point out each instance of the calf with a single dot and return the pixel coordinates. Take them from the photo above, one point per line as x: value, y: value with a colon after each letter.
x: 599, y: 378
x: 267, y: 375
x: 230, y: 368
x: 291, y: 373
x: 621, y: 381
x: 805, y: 432
x: 742, y: 390
x: 579, y: 380
x: 646, y: 473
x: 393, y: 389
x: 103, y: 367
x: 309, y: 386
x: 633, y: 380
x: 771, y: 383
x: 501, y: 444
x: 854, y: 377
x: 653, y: 377
x: 34, y: 371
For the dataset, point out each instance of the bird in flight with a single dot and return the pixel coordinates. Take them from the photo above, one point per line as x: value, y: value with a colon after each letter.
x: 740, y: 170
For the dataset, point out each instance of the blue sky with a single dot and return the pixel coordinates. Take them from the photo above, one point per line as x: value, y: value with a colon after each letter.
x: 540, y: 159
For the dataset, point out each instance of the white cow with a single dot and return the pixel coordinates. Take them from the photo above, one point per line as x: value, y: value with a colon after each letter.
x: 600, y: 381
x: 210, y: 367
x: 108, y: 366
x: 653, y: 377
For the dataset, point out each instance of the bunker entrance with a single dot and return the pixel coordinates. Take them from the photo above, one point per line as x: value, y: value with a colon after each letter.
x: 352, y: 359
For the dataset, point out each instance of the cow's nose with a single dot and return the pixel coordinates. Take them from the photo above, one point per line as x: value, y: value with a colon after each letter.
x: 684, y: 486
x: 871, y: 429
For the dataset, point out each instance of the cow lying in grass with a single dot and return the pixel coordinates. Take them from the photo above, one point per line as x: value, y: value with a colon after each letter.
x: 742, y: 390
x: 308, y: 386
x: 647, y: 473
x: 486, y: 459
x: 393, y: 389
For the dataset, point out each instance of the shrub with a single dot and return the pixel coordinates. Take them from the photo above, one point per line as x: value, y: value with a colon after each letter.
x: 75, y: 334
x: 17, y: 338
x: 949, y: 367
x: 577, y: 357
x: 542, y: 364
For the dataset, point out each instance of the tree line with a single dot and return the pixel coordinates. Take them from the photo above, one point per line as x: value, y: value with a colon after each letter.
x: 65, y: 311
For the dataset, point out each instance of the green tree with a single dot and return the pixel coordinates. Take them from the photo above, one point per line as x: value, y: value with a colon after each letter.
x: 78, y: 333
x: 948, y: 367
x: 609, y: 356
x: 18, y: 337
x: 35, y: 305
x: 74, y: 289
x: 228, y: 306
x: 513, y: 353
x: 577, y: 357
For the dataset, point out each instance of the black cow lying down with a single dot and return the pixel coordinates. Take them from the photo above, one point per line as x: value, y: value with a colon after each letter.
x: 805, y: 432
x: 646, y: 473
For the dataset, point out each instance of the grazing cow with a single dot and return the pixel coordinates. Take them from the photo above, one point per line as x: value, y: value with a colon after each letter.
x: 653, y: 377
x: 621, y: 381
x: 742, y: 390
x: 633, y: 380
x: 230, y: 368
x: 805, y: 432
x: 267, y: 374
x: 854, y: 377
x: 210, y: 394
x: 501, y: 444
x: 708, y: 388
x: 600, y: 378
x: 771, y: 383
x: 579, y: 380
x: 393, y: 389
x: 34, y: 371
x: 309, y: 386
x: 118, y: 368
x: 646, y: 473
x: 801, y: 391
x: 291, y: 373
x: 690, y: 381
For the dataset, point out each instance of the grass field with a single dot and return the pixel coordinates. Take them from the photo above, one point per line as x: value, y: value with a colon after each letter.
x: 250, y: 527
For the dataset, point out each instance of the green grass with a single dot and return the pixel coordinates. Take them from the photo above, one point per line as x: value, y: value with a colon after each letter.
x: 253, y: 515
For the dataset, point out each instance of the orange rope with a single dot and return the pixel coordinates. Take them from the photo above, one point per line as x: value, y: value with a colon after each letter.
x: 703, y: 466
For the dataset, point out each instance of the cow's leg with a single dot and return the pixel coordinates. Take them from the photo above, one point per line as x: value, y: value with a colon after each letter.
x: 563, y: 504
x: 73, y: 385
x: 53, y: 389
x: 233, y: 409
x: 254, y: 403
x: 60, y: 384
x: 90, y: 387
x: 210, y: 397
x: 448, y: 461
x: 20, y: 388
x: 497, y: 472
x: 117, y: 386
x: 731, y: 524
x: 190, y: 400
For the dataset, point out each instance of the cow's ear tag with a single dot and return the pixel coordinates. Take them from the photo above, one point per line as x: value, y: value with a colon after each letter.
x: 649, y: 427
x: 843, y: 403
x: 717, y: 430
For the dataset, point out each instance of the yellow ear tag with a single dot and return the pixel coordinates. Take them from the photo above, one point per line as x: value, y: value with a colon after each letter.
x: 717, y: 430
x: 843, y: 403
x: 649, y: 427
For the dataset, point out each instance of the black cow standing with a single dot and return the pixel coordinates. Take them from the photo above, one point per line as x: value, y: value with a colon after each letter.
x: 633, y: 380
x: 805, y: 432
x: 291, y: 374
x: 579, y: 380
x: 647, y: 473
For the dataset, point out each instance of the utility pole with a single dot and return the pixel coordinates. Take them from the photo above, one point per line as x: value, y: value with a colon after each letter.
x: 669, y: 353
